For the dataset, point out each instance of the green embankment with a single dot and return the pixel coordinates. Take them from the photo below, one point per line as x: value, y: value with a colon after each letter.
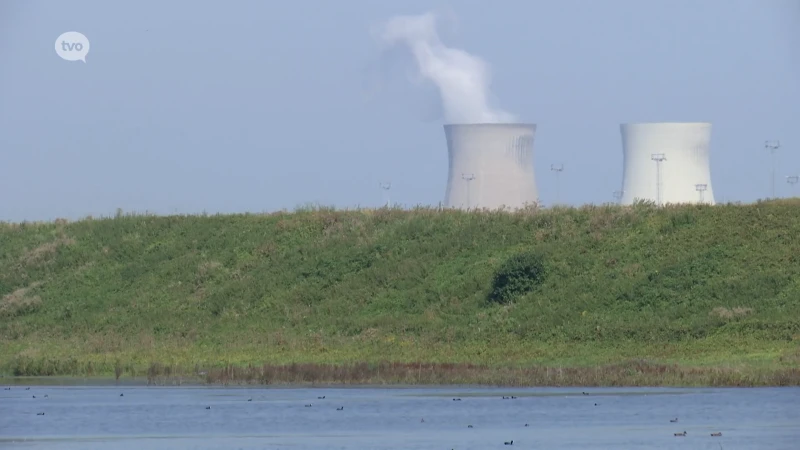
x: 706, y: 288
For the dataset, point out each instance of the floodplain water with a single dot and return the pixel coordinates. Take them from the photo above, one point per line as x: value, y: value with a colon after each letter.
x: 417, y: 418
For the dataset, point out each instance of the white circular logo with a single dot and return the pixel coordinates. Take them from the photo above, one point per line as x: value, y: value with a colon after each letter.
x: 72, y: 46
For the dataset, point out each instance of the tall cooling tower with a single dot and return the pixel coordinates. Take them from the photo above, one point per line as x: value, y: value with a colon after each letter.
x: 491, y: 165
x: 683, y: 149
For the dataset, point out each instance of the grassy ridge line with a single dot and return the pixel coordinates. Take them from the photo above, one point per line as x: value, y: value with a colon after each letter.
x: 716, y: 288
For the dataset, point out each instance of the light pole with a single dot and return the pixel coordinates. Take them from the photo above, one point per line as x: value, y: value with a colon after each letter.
x: 386, y: 186
x: 658, y: 158
x: 792, y: 180
x: 618, y: 196
x: 701, y: 188
x: 468, y: 177
x: 557, y: 169
x: 772, y: 146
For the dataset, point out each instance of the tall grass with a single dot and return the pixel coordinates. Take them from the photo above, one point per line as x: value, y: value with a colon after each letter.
x: 698, y: 287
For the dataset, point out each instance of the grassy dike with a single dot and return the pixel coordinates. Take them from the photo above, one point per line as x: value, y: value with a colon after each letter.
x: 682, y: 295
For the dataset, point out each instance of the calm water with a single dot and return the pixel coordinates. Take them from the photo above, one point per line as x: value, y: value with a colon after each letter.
x: 372, y: 419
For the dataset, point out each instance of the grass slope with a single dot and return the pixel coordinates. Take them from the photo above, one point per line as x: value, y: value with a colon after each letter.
x: 696, y: 286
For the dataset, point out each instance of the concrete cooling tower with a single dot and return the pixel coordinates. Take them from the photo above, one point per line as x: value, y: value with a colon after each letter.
x: 666, y: 163
x: 491, y: 166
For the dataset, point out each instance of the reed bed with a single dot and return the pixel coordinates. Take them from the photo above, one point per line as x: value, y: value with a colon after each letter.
x: 630, y: 373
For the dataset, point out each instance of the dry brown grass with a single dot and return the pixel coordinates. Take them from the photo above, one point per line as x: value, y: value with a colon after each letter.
x: 728, y: 314
x: 632, y: 270
x: 368, y: 335
x: 267, y: 249
x: 102, y: 343
x: 791, y: 357
x: 207, y: 267
x: 45, y: 253
x: 84, y: 267
x: 20, y: 302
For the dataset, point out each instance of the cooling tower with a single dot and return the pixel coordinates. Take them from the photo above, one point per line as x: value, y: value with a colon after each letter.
x: 683, y: 151
x: 491, y: 165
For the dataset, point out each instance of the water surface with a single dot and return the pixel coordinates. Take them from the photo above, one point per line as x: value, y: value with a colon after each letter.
x: 86, y: 417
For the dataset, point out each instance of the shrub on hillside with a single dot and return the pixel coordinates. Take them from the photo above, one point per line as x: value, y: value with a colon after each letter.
x: 517, y: 276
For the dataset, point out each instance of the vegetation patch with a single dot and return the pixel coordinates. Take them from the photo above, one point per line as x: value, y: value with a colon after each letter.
x: 702, y: 294
x: 517, y: 276
x: 728, y: 314
x: 20, y: 301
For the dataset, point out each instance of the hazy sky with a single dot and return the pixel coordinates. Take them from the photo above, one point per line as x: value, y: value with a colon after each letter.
x: 261, y: 105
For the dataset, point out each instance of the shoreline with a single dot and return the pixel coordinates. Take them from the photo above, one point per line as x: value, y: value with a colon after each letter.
x: 110, y: 382
x: 632, y: 373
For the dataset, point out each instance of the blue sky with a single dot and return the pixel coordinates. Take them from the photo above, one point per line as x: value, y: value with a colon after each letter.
x: 237, y: 106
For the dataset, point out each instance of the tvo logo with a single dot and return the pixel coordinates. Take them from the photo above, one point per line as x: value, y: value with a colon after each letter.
x: 72, y: 46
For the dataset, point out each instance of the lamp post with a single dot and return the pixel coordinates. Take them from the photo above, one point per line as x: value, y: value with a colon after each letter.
x: 773, y: 147
x: 557, y: 168
x: 658, y: 158
x: 468, y: 177
x: 792, y: 180
x: 386, y: 186
x: 701, y: 188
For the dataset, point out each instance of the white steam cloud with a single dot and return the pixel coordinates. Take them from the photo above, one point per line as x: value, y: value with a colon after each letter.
x: 462, y: 79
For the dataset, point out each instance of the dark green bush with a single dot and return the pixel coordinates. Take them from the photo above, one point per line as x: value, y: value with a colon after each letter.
x: 517, y: 276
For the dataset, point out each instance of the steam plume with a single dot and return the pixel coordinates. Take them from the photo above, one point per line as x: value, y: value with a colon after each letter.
x: 462, y: 79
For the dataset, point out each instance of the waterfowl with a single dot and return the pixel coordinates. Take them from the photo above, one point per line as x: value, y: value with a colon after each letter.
x: 45, y: 395
x: 680, y: 434
x: 673, y: 420
x: 39, y: 414
x: 320, y: 398
x: 456, y: 399
x: 585, y: 393
x: 122, y: 395
x: 208, y: 407
x: 341, y: 408
x: 469, y: 426
x: 526, y: 424
x: 511, y: 442
x: 309, y: 405
x: 34, y: 396
x: 249, y: 399
x: 717, y: 434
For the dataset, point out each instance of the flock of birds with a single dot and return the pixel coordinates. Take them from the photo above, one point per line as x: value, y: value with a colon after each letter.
x: 511, y: 397
x: 675, y: 420
x: 511, y: 442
